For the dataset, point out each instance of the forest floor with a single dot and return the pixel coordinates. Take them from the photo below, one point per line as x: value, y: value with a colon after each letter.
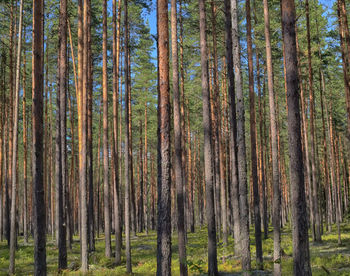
x: 327, y: 258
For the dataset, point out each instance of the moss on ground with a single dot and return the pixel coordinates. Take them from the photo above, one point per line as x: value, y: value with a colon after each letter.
x: 326, y: 257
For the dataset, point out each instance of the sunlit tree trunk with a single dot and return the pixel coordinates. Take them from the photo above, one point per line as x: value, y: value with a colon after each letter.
x: 164, y: 177
x: 13, y: 230
x: 127, y: 142
x: 25, y: 155
x: 116, y: 195
x: 275, y: 166
x: 107, y: 226
x: 316, y: 223
x: 90, y: 186
x: 241, y: 153
x: 234, y: 195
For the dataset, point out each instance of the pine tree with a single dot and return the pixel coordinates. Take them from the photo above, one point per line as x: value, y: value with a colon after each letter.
x: 301, y: 255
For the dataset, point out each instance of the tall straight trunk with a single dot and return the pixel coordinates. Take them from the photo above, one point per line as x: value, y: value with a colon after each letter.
x: 58, y: 156
x: 345, y: 51
x: 107, y: 226
x: 301, y: 255
x: 6, y: 216
x: 140, y: 205
x: 132, y: 184
x: 164, y: 176
x: 208, y: 155
x: 61, y: 138
x: 234, y: 195
x: 25, y: 157
x: 13, y: 230
x: 215, y: 110
x: 145, y: 175
x: 98, y: 178
x: 325, y: 152
x: 71, y: 181
x: 177, y: 140
x: 182, y: 104
x: 305, y: 135
x: 274, y: 147
x: 10, y: 121
x: 153, y: 195
x: 256, y: 202
x: 3, y: 120
x: 191, y: 218
x: 262, y: 127
x: 333, y: 175
x: 316, y: 223
x: 39, y: 216
x: 241, y: 153
x: 90, y: 169
x: 127, y: 141
x: 46, y: 142
x: 116, y: 196
x: 83, y: 87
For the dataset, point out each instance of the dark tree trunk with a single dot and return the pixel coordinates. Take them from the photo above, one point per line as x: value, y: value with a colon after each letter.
x: 39, y: 216
x: 61, y: 138
x: 301, y: 254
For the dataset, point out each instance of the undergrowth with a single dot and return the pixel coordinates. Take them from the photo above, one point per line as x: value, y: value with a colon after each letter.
x: 327, y: 258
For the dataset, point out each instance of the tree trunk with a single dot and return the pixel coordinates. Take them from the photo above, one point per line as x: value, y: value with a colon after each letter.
x: 13, y: 230
x: 145, y: 175
x: 234, y: 195
x: 127, y: 141
x: 316, y: 223
x: 107, y: 219
x: 274, y: 146
x: 61, y: 138
x: 333, y: 175
x: 164, y: 176
x: 241, y: 153
x: 90, y: 169
x: 39, y: 216
x: 25, y: 157
x: 177, y: 139
x: 345, y: 51
x: 300, y: 232
x: 82, y: 102
x: 208, y: 156
x: 256, y: 203
x: 116, y: 50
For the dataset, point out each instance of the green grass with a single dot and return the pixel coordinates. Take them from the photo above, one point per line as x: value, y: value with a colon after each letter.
x: 326, y: 256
